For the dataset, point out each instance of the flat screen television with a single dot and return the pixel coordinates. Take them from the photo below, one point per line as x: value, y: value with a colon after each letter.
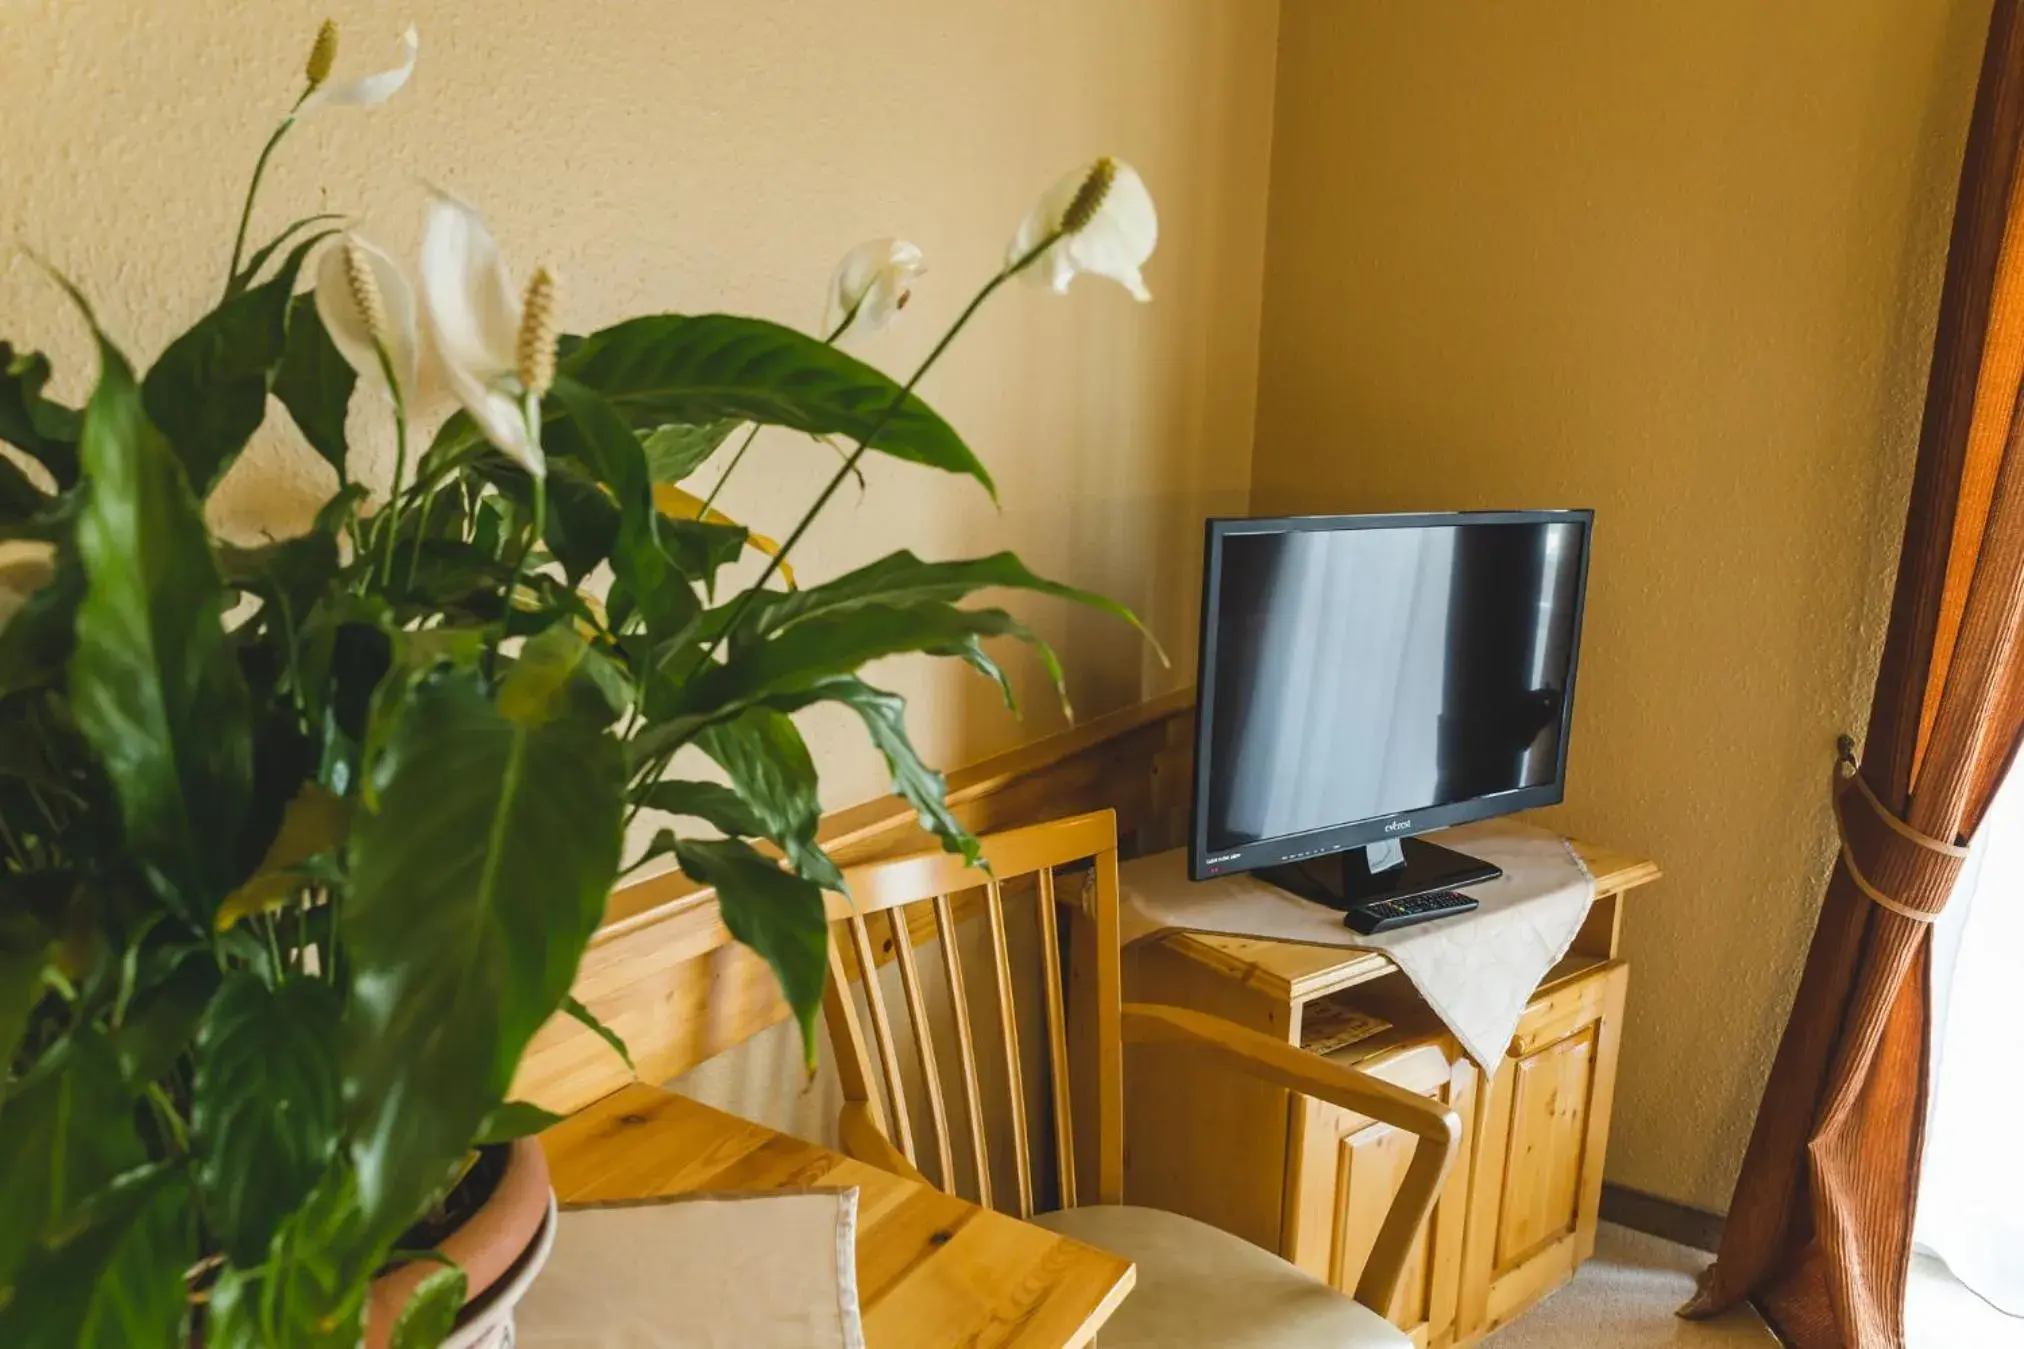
x: 1367, y: 678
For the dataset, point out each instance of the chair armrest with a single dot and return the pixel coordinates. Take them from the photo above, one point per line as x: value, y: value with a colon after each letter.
x: 863, y: 1141
x: 1241, y: 1049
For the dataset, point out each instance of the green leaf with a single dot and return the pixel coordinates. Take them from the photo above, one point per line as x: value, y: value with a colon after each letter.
x: 776, y: 913
x: 232, y: 1315
x: 583, y: 521
x: 711, y: 802
x: 592, y: 432
x: 162, y: 1018
x: 516, y: 1119
x: 154, y: 681
x: 971, y: 652
x: 44, y: 431
x: 272, y: 246
x: 416, y: 656
x: 884, y: 717
x: 595, y: 435
x: 476, y: 885
x: 431, y: 1311
x: 582, y: 527
x: 294, y: 572
x: 700, y: 548
x: 208, y: 390
x: 771, y: 768
x: 609, y: 676
x: 828, y: 645
x: 312, y: 823
x: 449, y: 575
x: 536, y: 686
x: 265, y: 1113
x: 666, y: 368
x: 35, y: 644
x: 25, y: 947
x: 114, y: 1278
x: 314, y: 382
x: 65, y: 1131
x: 588, y: 1019
x: 902, y: 578
x: 661, y: 845
x: 675, y: 451
x: 334, y: 515
x: 20, y: 499
x: 310, y: 1293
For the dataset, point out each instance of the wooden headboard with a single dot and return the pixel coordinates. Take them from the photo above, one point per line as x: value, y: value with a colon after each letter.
x: 665, y: 974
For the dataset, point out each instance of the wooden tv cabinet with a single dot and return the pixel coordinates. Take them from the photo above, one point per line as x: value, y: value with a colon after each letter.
x: 1313, y: 1182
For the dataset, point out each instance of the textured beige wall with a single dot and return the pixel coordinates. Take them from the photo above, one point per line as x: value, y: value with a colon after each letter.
x: 1678, y: 262
x: 692, y: 155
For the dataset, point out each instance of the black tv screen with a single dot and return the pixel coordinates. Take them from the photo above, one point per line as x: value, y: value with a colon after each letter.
x: 1373, y: 677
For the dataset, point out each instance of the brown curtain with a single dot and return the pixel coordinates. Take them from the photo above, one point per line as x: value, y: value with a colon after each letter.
x: 1819, y: 1231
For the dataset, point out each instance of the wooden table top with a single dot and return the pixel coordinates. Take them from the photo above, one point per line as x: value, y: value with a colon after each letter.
x: 1297, y: 973
x: 932, y: 1269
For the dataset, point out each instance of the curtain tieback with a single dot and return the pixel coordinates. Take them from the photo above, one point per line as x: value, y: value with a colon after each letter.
x: 1897, y: 867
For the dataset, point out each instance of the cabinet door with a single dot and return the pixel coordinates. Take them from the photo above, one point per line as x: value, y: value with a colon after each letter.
x: 1346, y: 1169
x: 1542, y: 1128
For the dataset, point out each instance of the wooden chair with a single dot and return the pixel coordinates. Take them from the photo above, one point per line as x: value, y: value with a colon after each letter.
x: 1197, y: 1285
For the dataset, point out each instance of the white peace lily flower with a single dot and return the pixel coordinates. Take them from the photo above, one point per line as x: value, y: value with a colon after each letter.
x: 1110, y: 228
x: 473, y: 321
x: 367, y: 91
x: 871, y: 285
x: 361, y: 294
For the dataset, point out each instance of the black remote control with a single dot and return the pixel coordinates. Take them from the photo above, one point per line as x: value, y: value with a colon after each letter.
x: 1384, y: 915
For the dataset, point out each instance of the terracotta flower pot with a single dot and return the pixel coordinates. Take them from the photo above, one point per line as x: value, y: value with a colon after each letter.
x: 486, y: 1248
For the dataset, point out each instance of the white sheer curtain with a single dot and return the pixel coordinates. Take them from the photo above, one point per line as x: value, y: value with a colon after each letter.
x: 1971, y: 1195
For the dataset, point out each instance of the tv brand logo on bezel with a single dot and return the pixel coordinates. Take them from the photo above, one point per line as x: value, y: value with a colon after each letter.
x: 1398, y: 826
x: 1226, y: 857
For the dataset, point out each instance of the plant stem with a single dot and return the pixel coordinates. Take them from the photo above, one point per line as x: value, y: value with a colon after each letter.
x: 533, y: 538
x: 271, y: 929
x: 393, y: 511
x: 773, y: 565
x: 253, y: 190
x: 753, y: 433
x: 172, y: 1122
x: 530, y: 409
x: 326, y: 953
x: 421, y: 531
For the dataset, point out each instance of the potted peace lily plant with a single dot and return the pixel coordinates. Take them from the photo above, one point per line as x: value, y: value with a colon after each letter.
x: 301, y: 842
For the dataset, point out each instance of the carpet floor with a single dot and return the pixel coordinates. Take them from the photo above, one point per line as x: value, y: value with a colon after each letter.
x: 1624, y: 1297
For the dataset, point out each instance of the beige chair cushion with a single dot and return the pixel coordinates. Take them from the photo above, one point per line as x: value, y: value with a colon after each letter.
x: 1198, y: 1285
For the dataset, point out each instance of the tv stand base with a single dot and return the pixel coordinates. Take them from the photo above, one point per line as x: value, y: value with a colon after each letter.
x: 1345, y: 880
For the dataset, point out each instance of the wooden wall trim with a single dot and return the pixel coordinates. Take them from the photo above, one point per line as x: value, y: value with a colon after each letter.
x: 1657, y: 1216
x: 887, y: 825
x: 665, y: 974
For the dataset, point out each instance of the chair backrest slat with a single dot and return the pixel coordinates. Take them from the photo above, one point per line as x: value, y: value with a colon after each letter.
x: 882, y: 1033
x: 924, y: 1042
x: 919, y: 895
x: 1008, y: 1020
x: 1057, y: 1038
x: 966, y: 1050
x: 1107, y: 943
x: 846, y: 1036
